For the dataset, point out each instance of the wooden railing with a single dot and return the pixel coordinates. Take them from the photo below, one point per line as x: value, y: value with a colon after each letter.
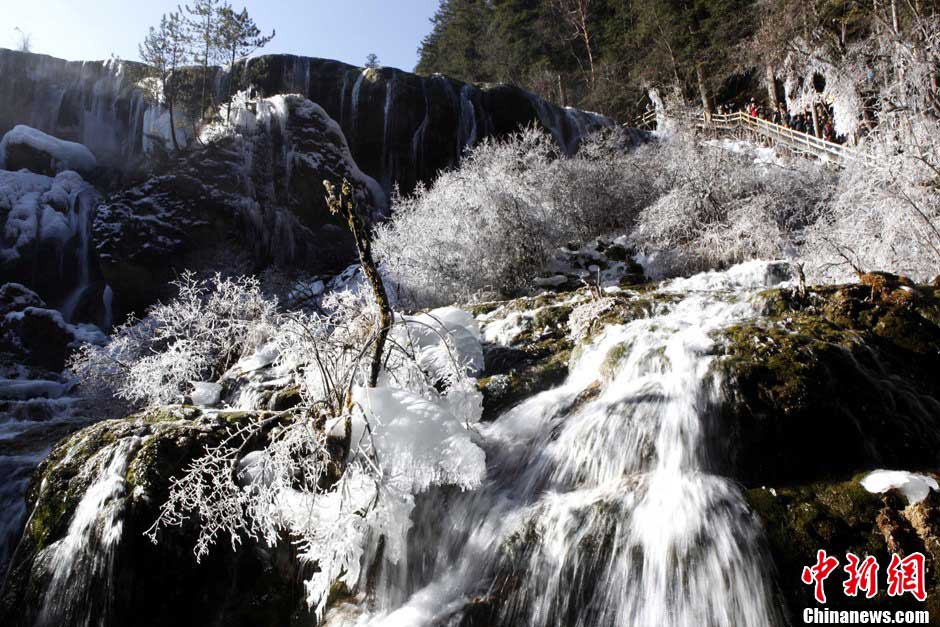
x: 795, y: 141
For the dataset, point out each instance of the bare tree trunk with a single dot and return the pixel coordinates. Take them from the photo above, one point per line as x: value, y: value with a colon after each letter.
x: 169, y: 105
x: 816, y: 130
x: 344, y: 206
x: 772, y: 88
x: 703, y: 90
x: 230, y: 90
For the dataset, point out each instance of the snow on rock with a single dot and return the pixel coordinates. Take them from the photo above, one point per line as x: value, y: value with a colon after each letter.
x: 329, y: 154
x: 206, y: 394
x: 43, y: 220
x: 915, y: 487
x: 25, y: 147
x: 255, y: 191
x: 36, y: 335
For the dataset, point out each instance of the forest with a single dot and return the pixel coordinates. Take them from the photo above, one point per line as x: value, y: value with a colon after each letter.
x: 604, y: 55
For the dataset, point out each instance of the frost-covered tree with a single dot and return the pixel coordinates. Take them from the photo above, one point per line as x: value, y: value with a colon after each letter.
x: 487, y: 228
x: 193, y: 338
x: 24, y: 40
x: 164, y: 51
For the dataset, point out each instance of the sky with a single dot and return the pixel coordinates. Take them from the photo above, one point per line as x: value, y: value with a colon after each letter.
x: 346, y: 30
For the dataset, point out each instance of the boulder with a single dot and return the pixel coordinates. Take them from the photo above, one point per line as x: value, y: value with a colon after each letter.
x: 43, y: 243
x: 841, y: 517
x: 30, y: 149
x: 840, y: 381
x: 253, y: 584
x: 252, y: 197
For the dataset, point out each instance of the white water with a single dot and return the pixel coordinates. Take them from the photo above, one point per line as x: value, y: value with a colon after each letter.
x: 601, y: 509
x: 80, y: 225
x: 79, y: 588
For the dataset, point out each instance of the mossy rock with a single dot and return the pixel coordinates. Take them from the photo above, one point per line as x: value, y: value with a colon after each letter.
x: 252, y: 585
x: 838, y: 517
x: 838, y: 380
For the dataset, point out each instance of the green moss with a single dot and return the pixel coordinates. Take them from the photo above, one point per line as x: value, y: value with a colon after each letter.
x: 821, y: 378
x: 59, y: 484
x: 612, y: 360
x: 838, y: 517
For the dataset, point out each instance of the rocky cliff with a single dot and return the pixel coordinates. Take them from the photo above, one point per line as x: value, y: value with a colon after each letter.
x: 401, y: 128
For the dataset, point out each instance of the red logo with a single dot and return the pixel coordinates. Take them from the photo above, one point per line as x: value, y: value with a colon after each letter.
x: 817, y: 573
x: 907, y: 575
x: 862, y: 575
x: 904, y: 575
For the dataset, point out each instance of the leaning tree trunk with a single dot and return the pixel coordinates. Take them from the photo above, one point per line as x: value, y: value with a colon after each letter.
x: 169, y: 105
x: 343, y: 206
x: 703, y: 90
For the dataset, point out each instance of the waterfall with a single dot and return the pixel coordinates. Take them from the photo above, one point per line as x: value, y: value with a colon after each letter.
x: 80, y: 218
x: 602, y: 505
x: 107, y: 305
x: 468, y: 121
x: 79, y: 588
x: 28, y: 407
x: 354, y: 107
x: 389, y: 160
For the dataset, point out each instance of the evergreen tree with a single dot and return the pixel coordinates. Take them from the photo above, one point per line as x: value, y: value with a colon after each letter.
x: 457, y: 42
x: 238, y: 36
x: 203, y: 24
x: 164, y: 50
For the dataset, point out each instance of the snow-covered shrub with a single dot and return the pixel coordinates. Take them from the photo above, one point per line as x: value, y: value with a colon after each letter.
x: 719, y: 204
x: 886, y: 212
x: 192, y: 338
x: 488, y: 227
x: 338, y: 475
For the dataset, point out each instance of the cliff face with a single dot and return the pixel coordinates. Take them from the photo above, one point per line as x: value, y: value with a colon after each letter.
x: 89, y: 102
x: 401, y: 128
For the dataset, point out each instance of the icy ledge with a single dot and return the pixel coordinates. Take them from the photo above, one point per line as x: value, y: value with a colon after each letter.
x: 64, y: 155
x: 913, y: 486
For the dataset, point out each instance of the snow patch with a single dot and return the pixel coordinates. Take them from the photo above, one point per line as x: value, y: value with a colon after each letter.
x: 915, y: 487
x: 65, y: 155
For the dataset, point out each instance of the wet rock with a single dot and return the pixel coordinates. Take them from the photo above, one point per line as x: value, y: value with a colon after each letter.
x: 253, y: 585
x: 239, y: 204
x: 841, y: 517
x: 839, y: 382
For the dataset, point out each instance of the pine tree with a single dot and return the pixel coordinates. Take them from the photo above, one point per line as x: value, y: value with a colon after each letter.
x: 204, y: 34
x: 238, y: 36
x: 164, y: 51
x: 372, y: 61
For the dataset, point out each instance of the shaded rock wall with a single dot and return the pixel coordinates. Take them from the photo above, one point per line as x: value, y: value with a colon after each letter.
x: 89, y: 102
x: 116, y: 575
x: 247, y: 200
x: 401, y: 128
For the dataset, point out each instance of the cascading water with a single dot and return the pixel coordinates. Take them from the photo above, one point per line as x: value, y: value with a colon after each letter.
x: 80, y: 224
x: 602, y: 507
x: 79, y: 565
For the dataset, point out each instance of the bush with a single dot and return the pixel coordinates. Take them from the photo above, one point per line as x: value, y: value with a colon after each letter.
x: 885, y: 214
x: 720, y: 203
x: 485, y: 229
x: 193, y: 338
